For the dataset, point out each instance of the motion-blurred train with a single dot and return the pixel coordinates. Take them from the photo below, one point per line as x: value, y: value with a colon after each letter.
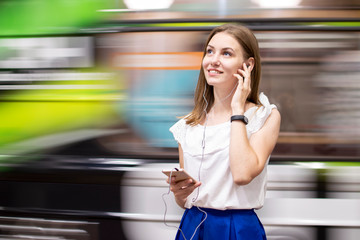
x: 85, y: 113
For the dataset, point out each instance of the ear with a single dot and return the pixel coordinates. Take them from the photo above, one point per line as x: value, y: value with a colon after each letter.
x: 251, y: 62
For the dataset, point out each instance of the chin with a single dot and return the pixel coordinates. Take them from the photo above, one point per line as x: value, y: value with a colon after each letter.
x: 211, y: 83
x: 216, y: 82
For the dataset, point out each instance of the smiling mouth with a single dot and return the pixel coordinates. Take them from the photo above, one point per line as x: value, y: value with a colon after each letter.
x: 214, y: 72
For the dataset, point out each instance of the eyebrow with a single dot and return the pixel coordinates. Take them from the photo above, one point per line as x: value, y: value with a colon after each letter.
x: 226, y: 48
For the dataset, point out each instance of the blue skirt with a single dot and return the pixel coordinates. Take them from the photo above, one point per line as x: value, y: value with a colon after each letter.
x: 221, y: 225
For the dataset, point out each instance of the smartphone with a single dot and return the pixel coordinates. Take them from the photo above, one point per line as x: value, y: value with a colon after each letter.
x: 179, y: 174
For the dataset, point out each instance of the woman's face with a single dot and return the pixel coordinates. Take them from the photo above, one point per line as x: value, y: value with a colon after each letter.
x: 224, y: 56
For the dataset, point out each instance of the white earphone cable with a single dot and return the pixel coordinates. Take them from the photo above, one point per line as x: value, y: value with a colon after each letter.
x: 199, y: 171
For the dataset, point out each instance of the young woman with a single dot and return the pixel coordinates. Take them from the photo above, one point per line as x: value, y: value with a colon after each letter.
x: 225, y: 142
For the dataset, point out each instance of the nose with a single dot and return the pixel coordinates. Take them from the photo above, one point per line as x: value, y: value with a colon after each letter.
x: 215, y: 60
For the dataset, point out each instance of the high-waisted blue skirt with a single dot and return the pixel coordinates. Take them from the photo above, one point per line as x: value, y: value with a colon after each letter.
x: 220, y: 225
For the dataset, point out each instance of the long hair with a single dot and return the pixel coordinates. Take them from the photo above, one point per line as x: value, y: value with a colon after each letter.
x: 250, y: 46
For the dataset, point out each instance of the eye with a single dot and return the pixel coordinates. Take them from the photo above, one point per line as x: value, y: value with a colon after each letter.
x: 228, y: 54
x: 209, y: 51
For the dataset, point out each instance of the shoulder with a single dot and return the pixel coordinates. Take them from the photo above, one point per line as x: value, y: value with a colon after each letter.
x: 250, y: 105
x: 262, y: 114
x: 179, y: 130
x: 274, y: 119
x: 180, y: 124
x: 274, y: 114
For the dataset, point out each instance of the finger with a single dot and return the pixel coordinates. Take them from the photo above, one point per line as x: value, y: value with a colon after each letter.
x: 179, y: 185
x: 197, y: 184
x: 247, y: 74
x: 188, y: 189
x: 242, y: 72
x: 186, y: 183
x: 239, y: 77
x: 194, y: 186
x: 173, y: 180
x: 247, y: 69
x: 247, y: 79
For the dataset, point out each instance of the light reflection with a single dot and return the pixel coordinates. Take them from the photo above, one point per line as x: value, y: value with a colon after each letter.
x: 277, y: 3
x: 148, y: 4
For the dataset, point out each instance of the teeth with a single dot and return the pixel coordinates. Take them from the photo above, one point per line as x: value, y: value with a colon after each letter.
x: 214, y: 71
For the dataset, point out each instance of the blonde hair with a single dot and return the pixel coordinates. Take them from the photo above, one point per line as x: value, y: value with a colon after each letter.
x: 250, y: 46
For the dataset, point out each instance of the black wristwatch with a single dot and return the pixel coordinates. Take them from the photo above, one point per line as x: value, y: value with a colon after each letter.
x: 242, y: 118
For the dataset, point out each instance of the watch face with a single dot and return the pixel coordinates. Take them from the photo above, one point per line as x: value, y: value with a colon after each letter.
x: 246, y: 120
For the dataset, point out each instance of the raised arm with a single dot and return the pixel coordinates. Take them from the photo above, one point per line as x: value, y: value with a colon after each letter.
x: 248, y: 156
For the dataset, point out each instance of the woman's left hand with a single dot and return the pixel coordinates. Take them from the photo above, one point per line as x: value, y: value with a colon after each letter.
x: 242, y: 91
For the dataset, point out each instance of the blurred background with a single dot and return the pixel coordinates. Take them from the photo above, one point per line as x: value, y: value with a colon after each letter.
x: 89, y: 89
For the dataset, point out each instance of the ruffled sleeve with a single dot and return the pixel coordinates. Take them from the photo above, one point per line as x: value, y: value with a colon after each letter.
x: 179, y: 131
x: 259, y: 115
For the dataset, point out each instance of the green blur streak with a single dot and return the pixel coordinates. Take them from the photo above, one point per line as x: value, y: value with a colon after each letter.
x: 31, y: 119
x: 27, y: 17
x: 29, y: 114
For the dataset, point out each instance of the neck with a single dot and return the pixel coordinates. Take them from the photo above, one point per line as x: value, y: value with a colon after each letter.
x: 219, y: 113
x: 221, y: 109
x: 221, y: 106
x: 223, y: 97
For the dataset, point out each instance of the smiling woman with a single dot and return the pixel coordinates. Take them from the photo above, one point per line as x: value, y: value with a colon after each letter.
x: 220, y: 60
x: 233, y: 153
x: 235, y: 46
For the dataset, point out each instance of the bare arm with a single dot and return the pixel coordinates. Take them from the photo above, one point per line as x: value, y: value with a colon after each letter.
x: 181, y: 157
x: 248, y: 156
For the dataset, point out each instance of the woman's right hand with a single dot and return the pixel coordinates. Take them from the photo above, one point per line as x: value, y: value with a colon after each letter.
x: 182, y: 189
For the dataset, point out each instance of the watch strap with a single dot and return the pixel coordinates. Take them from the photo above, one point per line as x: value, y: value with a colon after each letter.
x: 242, y: 118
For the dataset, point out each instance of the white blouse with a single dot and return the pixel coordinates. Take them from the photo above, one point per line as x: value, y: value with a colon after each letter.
x: 218, y: 190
